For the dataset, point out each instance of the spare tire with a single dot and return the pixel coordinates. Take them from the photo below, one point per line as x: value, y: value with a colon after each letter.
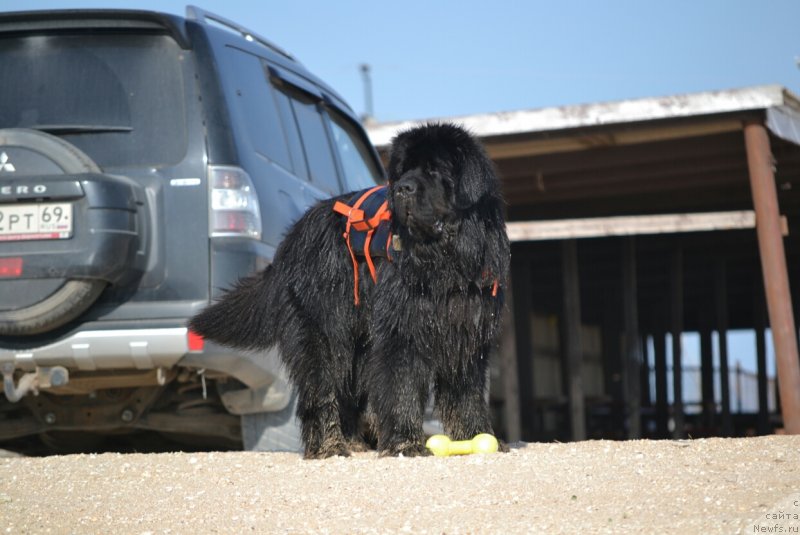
x: 62, y: 306
x: 61, y: 275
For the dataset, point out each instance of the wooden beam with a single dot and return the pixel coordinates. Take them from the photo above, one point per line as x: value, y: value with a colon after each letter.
x: 573, y: 345
x: 610, y: 172
x: 596, y: 227
x: 511, y: 149
x: 776, y: 277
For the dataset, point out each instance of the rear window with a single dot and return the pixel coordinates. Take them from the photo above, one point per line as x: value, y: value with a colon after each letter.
x: 119, y: 98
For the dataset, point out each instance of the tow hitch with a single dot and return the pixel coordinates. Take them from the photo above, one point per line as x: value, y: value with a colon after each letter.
x: 43, y: 377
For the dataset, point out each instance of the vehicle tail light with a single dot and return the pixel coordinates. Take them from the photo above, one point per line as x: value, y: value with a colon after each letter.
x: 234, y: 203
x: 10, y: 267
x: 194, y: 341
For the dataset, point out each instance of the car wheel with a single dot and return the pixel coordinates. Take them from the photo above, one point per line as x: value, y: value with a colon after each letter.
x: 58, y: 301
x: 64, y: 305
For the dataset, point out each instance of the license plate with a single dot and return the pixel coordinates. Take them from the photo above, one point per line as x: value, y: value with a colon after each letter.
x: 20, y: 222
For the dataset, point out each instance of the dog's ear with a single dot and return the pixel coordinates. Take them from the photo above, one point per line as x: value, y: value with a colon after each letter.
x: 396, y: 158
x: 474, y: 172
x: 478, y: 178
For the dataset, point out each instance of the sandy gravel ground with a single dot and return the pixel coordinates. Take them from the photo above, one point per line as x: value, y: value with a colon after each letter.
x: 700, y: 486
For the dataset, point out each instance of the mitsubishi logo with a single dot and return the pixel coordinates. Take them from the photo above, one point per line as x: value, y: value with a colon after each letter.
x: 5, y: 165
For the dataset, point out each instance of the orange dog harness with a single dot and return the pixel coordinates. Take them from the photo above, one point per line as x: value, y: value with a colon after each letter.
x: 367, y: 214
x: 367, y: 231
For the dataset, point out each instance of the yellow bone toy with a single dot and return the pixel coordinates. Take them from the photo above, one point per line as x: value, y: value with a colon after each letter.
x: 442, y: 446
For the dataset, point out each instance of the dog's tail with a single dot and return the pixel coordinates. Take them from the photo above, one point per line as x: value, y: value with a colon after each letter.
x: 245, y: 316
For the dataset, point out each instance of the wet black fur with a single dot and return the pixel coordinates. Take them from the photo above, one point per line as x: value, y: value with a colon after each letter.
x: 431, y: 318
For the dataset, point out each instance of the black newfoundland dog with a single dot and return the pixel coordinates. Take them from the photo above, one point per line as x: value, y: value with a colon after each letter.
x: 430, y: 316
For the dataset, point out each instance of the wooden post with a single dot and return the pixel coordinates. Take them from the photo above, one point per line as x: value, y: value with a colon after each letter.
x: 760, y: 321
x: 707, y: 379
x: 633, y: 356
x: 613, y: 359
x: 721, y: 305
x: 644, y: 375
x: 676, y: 329
x: 739, y: 387
x: 773, y: 266
x: 508, y: 360
x: 521, y: 306
x: 662, y: 397
x: 573, y: 346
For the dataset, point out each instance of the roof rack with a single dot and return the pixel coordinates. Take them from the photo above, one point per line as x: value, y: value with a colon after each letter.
x: 206, y: 17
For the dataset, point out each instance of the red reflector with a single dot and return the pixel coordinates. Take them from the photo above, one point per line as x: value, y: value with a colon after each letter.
x: 10, y: 267
x: 230, y: 221
x: 196, y: 341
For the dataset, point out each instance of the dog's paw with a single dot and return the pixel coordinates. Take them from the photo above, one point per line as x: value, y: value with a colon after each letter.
x: 406, y: 449
x: 358, y: 445
x: 332, y: 449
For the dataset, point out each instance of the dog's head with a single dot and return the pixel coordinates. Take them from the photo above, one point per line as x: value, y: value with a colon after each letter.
x: 436, y: 172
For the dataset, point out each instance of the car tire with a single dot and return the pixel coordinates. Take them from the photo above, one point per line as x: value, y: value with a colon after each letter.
x: 62, y: 306
x: 73, y: 297
x: 273, y: 431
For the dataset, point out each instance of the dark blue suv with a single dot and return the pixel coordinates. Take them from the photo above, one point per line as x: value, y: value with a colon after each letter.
x: 147, y: 161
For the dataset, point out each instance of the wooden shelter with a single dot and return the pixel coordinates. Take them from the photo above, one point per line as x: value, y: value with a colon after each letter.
x: 633, y: 222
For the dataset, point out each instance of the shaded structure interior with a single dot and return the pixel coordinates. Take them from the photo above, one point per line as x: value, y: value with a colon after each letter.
x: 593, y: 345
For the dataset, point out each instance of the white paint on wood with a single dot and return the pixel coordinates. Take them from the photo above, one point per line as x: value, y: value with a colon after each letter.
x: 597, y: 227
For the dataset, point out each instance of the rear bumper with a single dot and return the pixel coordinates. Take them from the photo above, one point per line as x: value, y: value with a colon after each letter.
x: 140, y: 349
x: 144, y: 349
x: 267, y: 386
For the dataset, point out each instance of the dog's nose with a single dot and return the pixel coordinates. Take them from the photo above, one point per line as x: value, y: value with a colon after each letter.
x: 406, y: 188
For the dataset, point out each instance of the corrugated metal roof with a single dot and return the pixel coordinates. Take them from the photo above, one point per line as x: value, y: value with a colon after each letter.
x: 609, y: 113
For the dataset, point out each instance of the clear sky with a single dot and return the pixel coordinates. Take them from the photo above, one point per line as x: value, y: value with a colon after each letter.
x: 442, y: 58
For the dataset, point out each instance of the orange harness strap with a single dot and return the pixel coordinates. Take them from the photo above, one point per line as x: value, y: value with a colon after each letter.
x: 495, y: 284
x: 355, y: 219
x: 382, y: 214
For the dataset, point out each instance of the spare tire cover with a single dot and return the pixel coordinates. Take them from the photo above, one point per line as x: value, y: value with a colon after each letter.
x: 38, y: 153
